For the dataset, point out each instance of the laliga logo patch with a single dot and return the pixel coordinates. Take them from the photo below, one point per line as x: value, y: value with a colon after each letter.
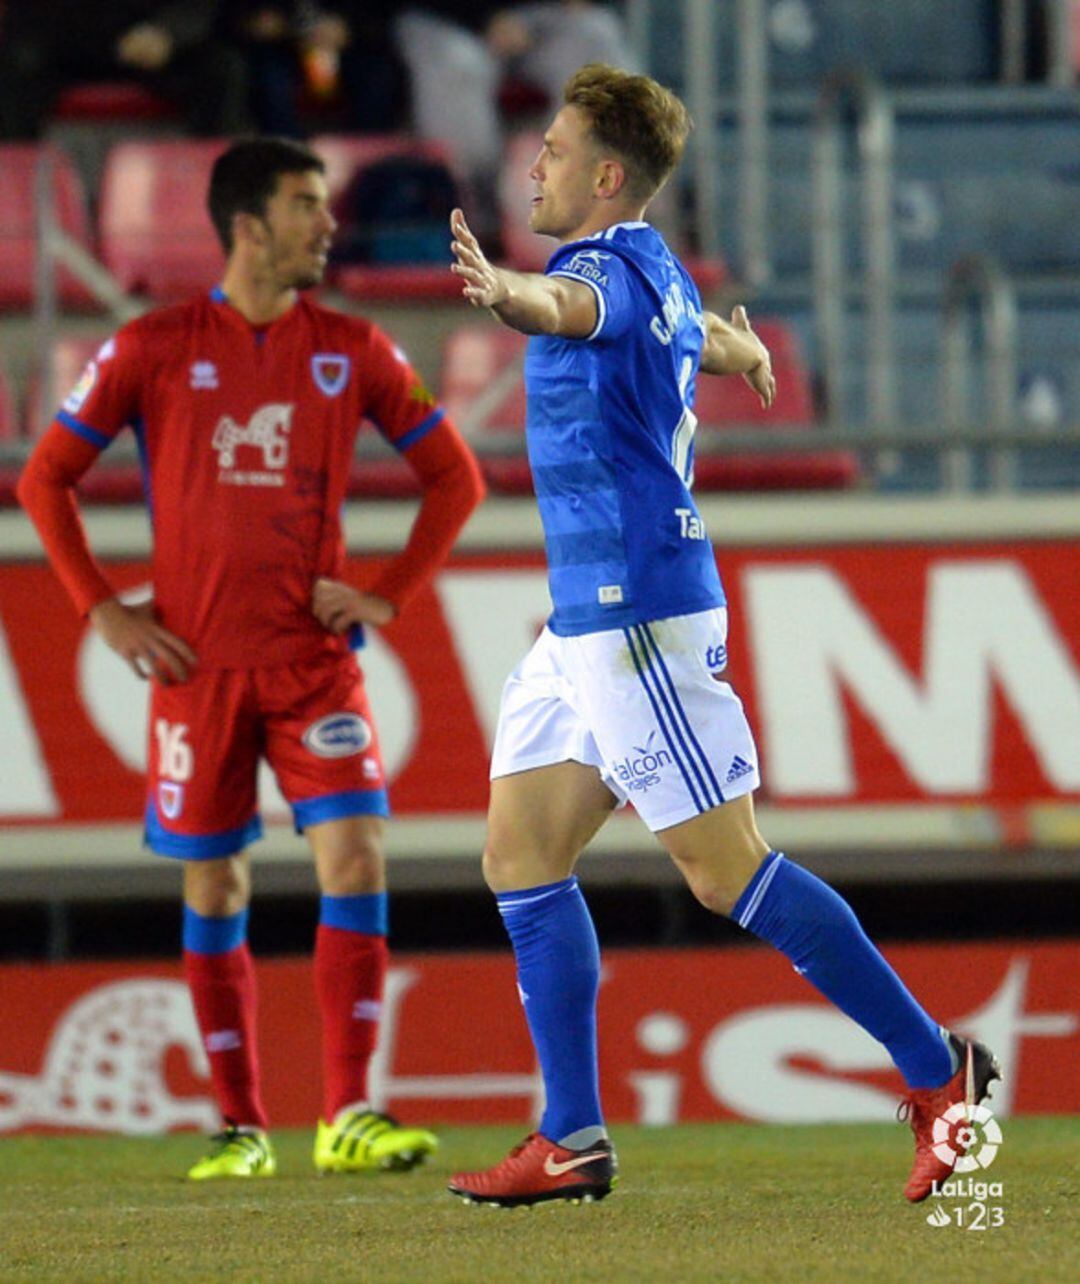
x: 82, y: 389
x: 331, y: 372
x: 170, y: 799
x: 338, y: 735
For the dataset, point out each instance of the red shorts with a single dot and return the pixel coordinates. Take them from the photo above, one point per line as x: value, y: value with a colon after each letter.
x: 310, y: 720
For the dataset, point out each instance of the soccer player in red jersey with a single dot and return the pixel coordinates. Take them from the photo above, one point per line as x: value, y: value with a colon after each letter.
x: 246, y: 404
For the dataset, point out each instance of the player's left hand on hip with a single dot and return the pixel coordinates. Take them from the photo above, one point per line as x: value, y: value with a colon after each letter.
x: 338, y: 606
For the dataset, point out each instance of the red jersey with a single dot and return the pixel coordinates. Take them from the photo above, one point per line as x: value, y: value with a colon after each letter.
x: 246, y: 436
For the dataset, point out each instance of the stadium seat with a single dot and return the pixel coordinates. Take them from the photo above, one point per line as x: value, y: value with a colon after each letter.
x: 721, y: 403
x: 483, y: 392
x: 346, y: 157
x: 111, y: 100
x: 917, y: 42
x: 156, y: 236
x: 530, y: 252
x: 18, y: 239
x: 481, y: 358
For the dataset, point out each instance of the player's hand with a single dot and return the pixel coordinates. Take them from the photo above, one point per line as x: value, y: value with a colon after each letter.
x: 149, y: 648
x: 338, y: 606
x: 485, y: 285
x: 760, y: 378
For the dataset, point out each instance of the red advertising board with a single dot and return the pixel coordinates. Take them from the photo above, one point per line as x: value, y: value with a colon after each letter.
x: 716, y: 1034
x: 872, y: 675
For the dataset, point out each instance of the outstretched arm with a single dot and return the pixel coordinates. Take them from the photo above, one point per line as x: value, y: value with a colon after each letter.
x: 525, y: 301
x: 733, y: 348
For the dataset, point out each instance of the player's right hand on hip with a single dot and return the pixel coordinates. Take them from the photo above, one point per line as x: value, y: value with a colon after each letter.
x: 150, y: 650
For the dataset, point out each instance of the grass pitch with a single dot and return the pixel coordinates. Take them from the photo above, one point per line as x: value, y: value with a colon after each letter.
x: 705, y: 1202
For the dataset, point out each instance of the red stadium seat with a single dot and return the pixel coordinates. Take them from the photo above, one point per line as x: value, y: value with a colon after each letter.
x: 18, y: 236
x: 111, y: 100
x: 345, y: 158
x: 484, y: 393
x: 156, y: 236
x: 721, y: 403
x: 482, y: 387
x: 530, y: 252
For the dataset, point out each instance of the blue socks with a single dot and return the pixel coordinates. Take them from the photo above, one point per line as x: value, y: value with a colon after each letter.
x: 204, y: 935
x: 805, y: 919
x: 368, y: 913
x: 558, y: 967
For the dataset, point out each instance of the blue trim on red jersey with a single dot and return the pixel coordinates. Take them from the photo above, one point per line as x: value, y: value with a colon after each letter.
x: 420, y: 431
x: 219, y: 295
x: 199, y: 846
x: 95, y: 438
x: 353, y: 802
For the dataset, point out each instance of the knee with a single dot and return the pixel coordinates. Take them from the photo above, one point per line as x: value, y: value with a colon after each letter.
x: 217, y: 888
x: 717, y: 896
x: 501, y: 871
x: 356, y: 868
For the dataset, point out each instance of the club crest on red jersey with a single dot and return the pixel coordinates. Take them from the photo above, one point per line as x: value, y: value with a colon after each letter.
x: 170, y: 799
x: 331, y: 372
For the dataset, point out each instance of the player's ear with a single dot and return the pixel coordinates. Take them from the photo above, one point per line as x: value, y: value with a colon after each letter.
x: 611, y: 180
x: 248, y: 229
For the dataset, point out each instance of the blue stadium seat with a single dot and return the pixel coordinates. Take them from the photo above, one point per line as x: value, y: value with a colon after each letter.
x: 905, y: 42
x: 966, y: 163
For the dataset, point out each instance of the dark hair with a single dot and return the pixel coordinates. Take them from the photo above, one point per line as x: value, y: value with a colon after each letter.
x: 245, y: 177
x: 636, y: 117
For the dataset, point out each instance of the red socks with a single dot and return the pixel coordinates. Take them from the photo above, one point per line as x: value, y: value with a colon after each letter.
x: 350, y: 968
x: 223, y: 992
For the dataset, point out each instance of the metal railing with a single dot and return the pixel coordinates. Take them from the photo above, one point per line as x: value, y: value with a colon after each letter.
x: 1057, y: 41
x: 979, y: 280
x: 56, y: 249
x: 874, y: 134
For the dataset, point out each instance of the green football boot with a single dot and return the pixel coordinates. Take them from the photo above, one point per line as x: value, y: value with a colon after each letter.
x: 362, y: 1140
x: 237, y: 1152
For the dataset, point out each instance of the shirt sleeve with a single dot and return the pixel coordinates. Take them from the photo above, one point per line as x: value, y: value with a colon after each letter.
x: 609, y: 278
x: 399, y: 403
x: 96, y: 409
x: 106, y: 397
x: 407, y: 414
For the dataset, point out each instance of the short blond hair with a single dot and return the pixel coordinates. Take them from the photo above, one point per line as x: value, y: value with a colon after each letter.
x: 643, y: 123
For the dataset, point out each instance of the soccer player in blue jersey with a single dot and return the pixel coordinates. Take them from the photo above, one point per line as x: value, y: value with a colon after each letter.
x: 622, y: 698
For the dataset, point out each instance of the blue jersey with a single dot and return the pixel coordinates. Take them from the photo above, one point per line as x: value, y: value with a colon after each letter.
x: 610, y: 428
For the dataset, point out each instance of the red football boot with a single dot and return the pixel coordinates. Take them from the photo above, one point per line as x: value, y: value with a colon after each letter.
x: 538, y: 1170
x: 937, y: 1148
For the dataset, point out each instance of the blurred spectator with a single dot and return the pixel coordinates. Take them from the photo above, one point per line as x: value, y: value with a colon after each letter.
x: 459, y: 53
x: 46, y: 45
x: 336, y: 66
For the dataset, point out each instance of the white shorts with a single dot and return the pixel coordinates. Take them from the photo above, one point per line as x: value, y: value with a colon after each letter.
x: 645, y: 705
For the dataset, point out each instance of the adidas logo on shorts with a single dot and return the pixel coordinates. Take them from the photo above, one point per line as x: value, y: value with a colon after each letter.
x: 739, y: 768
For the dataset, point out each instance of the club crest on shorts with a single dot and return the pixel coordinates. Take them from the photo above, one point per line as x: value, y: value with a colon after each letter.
x: 170, y: 799
x: 330, y: 371
x: 338, y: 735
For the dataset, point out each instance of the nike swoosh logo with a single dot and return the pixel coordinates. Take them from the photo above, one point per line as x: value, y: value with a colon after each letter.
x: 554, y: 1168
